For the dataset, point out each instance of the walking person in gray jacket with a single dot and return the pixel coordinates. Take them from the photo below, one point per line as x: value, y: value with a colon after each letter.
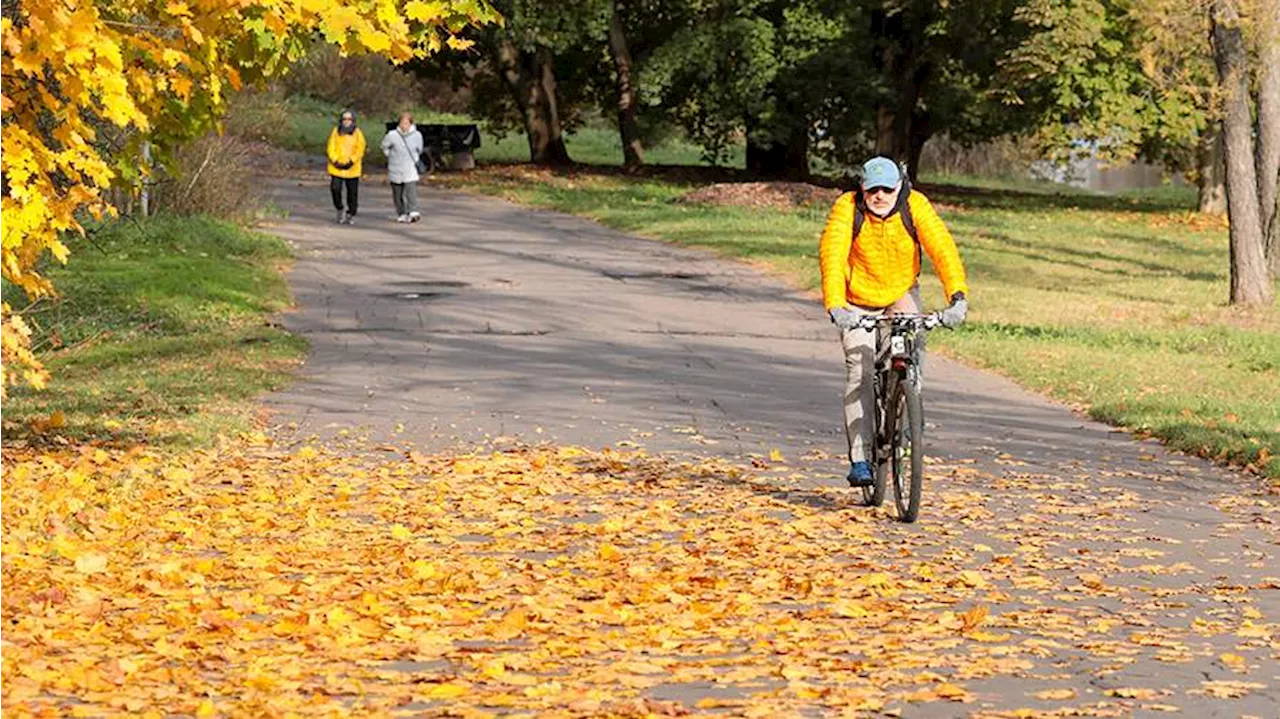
x: 403, y: 147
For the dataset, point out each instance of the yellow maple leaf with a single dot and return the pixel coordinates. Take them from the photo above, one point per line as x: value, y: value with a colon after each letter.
x: 1233, y: 661
x: 848, y: 608
x: 424, y: 12
x: 448, y: 690
x: 91, y: 563
x: 512, y: 625
x: 338, y: 617
x: 422, y: 569
x: 1133, y: 693
x: 954, y: 692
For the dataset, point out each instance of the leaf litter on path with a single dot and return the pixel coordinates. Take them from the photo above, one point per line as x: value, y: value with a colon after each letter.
x: 251, y: 581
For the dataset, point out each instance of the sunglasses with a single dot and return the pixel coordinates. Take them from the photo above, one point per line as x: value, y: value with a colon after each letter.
x: 880, y: 190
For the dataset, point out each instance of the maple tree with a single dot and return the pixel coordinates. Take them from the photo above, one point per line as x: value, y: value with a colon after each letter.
x: 157, y: 72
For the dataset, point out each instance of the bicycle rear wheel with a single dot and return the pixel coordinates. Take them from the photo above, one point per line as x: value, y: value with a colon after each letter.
x: 907, y: 446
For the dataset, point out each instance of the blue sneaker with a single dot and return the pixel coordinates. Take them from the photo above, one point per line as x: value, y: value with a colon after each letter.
x: 860, y: 475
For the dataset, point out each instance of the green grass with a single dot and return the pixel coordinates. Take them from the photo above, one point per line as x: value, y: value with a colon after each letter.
x: 1116, y: 304
x: 160, y: 334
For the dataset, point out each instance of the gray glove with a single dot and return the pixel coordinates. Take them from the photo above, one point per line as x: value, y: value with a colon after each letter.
x: 953, y: 316
x: 845, y: 318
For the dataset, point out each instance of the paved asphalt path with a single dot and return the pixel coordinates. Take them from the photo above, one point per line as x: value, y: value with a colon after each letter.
x: 489, y: 322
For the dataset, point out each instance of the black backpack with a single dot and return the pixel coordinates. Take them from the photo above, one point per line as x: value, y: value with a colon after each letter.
x: 903, y: 208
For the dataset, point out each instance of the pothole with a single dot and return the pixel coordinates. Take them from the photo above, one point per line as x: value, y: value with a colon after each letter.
x: 656, y: 275
x: 414, y: 296
x: 428, y: 284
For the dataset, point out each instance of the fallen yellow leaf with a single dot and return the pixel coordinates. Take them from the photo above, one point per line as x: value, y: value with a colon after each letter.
x: 91, y: 563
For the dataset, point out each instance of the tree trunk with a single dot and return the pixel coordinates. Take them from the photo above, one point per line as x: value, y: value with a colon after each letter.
x: 554, y: 151
x: 888, y: 141
x: 1250, y: 280
x: 1269, y: 113
x: 1212, y: 170
x: 786, y: 159
x: 920, y: 133
x: 531, y: 78
x: 1268, y: 132
x: 1272, y: 240
x: 902, y: 128
x: 632, y: 148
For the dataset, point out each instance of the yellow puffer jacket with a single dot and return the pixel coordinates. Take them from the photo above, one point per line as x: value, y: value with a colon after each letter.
x: 343, y: 149
x: 883, y: 264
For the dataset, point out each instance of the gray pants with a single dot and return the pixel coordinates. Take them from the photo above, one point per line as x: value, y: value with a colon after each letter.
x: 859, y: 377
x: 405, y: 195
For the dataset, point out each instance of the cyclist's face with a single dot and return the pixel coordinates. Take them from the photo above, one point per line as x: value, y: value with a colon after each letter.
x: 881, y: 200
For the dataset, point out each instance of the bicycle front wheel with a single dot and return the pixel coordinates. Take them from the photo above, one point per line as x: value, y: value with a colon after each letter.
x: 877, y: 453
x: 873, y: 496
x: 907, y: 446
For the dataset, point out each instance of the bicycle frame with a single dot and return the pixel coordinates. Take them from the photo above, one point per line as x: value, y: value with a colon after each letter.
x: 898, y: 350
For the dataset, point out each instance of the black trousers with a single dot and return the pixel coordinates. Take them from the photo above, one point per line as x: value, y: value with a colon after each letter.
x: 353, y: 193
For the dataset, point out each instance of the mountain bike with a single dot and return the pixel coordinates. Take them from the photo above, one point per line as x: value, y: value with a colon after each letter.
x: 897, y: 448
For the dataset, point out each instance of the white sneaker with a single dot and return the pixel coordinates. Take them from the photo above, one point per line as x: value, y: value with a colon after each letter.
x: 402, y: 218
x: 414, y: 216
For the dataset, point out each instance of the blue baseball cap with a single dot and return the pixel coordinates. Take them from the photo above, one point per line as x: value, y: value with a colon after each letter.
x: 880, y: 172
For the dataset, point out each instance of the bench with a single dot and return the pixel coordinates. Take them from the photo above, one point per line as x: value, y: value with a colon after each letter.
x: 458, y: 142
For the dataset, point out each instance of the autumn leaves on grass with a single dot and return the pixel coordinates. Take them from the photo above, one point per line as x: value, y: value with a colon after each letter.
x: 249, y: 581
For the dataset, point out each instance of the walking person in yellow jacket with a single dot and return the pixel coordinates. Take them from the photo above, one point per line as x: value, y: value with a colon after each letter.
x: 870, y: 258
x: 346, y: 152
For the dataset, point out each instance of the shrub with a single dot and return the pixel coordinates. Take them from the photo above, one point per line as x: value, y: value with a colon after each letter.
x: 215, y: 175
x: 259, y: 116
x: 1002, y: 157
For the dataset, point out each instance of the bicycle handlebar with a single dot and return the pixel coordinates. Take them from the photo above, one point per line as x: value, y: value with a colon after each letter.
x: 914, y: 320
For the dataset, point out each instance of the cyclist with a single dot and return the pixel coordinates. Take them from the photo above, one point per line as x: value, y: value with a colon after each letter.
x: 870, y: 260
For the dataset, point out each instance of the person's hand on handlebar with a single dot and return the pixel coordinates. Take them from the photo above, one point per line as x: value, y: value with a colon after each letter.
x: 953, y: 316
x: 844, y: 318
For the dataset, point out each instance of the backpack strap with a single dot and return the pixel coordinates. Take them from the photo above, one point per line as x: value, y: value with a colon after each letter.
x: 859, y: 213
x: 904, y: 209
